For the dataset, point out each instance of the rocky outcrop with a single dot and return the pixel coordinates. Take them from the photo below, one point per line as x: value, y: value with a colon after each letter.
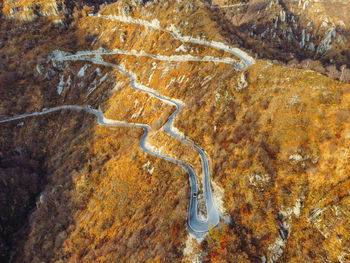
x: 54, y: 10
x: 290, y: 29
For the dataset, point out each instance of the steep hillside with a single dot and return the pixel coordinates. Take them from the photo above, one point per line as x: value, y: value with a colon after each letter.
x: 291, y: 31
x: 95, y: 84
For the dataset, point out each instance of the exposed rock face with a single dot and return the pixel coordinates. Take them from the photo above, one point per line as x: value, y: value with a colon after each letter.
x: 277, y: 137
x: 31, y: 10
x: 54, y: 10
x: 300, y: 29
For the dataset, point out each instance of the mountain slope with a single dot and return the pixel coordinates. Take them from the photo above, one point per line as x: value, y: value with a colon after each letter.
x: 276, y: 138
x: 291, y: 31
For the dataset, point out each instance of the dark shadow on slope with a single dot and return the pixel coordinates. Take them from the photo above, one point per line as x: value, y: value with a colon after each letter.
x: 236, y: 37
x: 236, y: 31
x: 23, y: 157
x: 237, y: 34
x: 93, y: 3
x: 60, y: 140
x: 98, y: 3
x: 21, y: 180
x: 283, y: 53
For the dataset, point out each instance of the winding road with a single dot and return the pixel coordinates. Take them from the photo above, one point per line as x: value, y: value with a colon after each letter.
x: 173, y: 58
x: 196, y: 226
x: 154, y: 24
